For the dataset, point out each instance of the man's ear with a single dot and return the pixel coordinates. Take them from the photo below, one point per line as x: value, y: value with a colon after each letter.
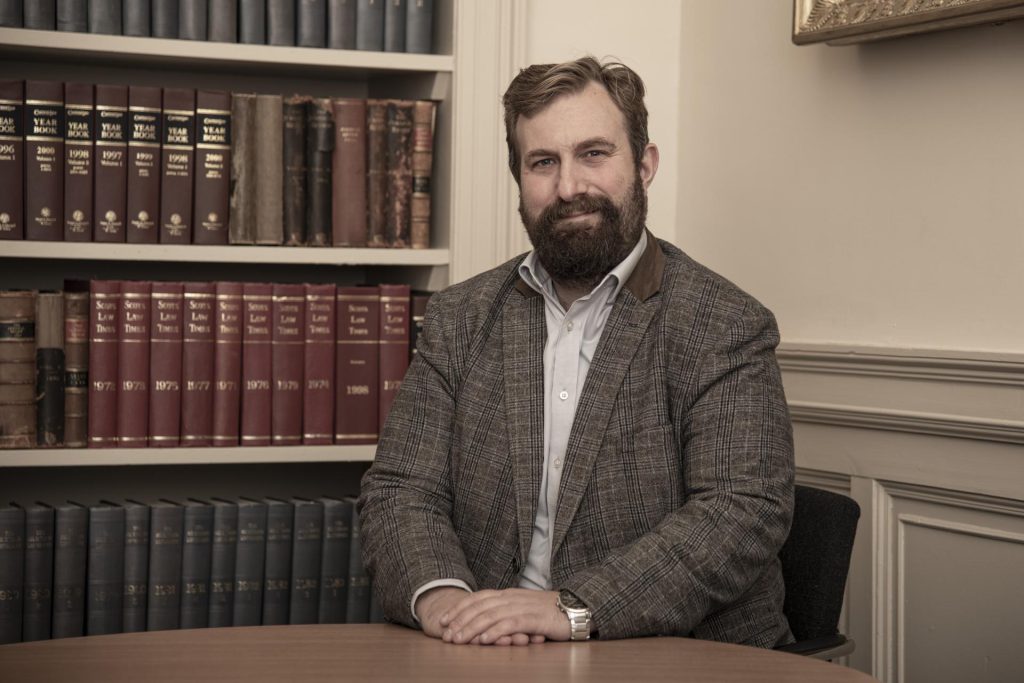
x: 649, y: 164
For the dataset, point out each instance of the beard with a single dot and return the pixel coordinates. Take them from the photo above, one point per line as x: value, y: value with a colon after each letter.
x: 580, y: 255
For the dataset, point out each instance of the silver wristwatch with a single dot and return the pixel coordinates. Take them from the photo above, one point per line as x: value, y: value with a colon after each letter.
x: 578, y: 614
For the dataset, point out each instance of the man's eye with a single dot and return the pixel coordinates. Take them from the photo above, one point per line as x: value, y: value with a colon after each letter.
x: 591, y: 153
x: 541, y: 163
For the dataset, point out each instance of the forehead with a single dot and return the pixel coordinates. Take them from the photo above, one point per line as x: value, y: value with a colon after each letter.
x: 571, y: 118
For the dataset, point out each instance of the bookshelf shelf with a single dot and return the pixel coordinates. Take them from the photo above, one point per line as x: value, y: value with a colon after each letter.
x: 105, y: 457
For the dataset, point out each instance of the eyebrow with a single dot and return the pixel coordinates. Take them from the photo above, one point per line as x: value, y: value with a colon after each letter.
x: 589, y: 143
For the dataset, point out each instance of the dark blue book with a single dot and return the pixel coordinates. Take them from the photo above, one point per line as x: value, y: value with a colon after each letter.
x: 357, y: 608
x: 136, y: 18
x: 38, y: 593
x: 12, y: 571
x: 419, y: 26
x: 136, y: 566
x: 334, y: 559
x: 192, y: 18
x: 42, y: 14
x: 222, y: 23
x: 252, y: 22
x: 222, y: 562
x: 311, y: 23
x: 307, y: 546
x: 69, y: 562
x: 370, y: 25
x: 104, y: 597
x: 278, y: 566
x: 341, y: 24
x: 195, y: 564
x: 163, y: 599
x: 165, y: 18
x: 280, y: 22
x: 105, y: 17
x: 394, y: 25
x: 11, y: 15
x: 250, y: 555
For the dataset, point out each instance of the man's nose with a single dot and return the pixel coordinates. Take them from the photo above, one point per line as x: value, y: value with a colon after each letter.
x: 571, y: 181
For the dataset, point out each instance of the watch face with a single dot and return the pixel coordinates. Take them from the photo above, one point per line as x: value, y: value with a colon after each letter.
x: 570, y: 600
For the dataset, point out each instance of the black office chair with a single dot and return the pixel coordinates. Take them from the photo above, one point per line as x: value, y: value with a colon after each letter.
x: 815, y: 562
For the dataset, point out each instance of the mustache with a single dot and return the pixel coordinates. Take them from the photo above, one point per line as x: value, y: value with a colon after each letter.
x: 581, y: 204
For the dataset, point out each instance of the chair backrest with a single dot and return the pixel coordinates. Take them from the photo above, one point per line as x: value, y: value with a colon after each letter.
x: 816, y: 559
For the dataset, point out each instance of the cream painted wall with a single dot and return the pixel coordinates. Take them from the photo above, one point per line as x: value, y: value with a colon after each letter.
x: 869, y: 195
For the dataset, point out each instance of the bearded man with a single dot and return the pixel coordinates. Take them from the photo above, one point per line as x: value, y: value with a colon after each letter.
x: 593, y: 440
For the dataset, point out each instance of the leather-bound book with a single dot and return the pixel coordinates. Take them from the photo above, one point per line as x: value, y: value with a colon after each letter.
x: 11, y: 15
x: 278, y: 565
x: 197, y: 364
x: 133, y: 365
x: 12, y: 161
x: 370, y: 25
x: 192, y: 16
x: 44, y: 160
x: 177, y: 155
x: 222, y: 26
x: 394, y: 343
x: 104, y: 312
x: 280, y: 22
x: 105, y: 17
x: 165, y: 18
x: 257, y: 352
x: 252, y: 21
x: 136, y: 566
x: 318, y: 386
x: 294, y: 151
x: 288, y: 342
x: 213, y: 167
x: 356, y: 366
x: 76, y: 366
x: 227, y: 363
x: 163, y: 599
x: 12, y: 571
x: 79, y: 160
x: 357, y: 604
x: 376, y: 172
x: 319, y: 153
x: 419, y: 26
x: 17, y: 369
x: 104, y: 594
x: 37, y: 604
x: 394, y: 25
x: 50, y: 369
x: 41, y: 14
x: 399, y: 137
x: 165, y: 366
x: 71, y: 531
x: 348, y: 175
x: 311, y: 21
x: 195, y: 564
x: 250, y: 554
x: 145, y: 126
x: 341, y: 24
x: 334, y: 559
x: 269, y: 169
x: 422, y: 171
x: 137, y: 18
x: 111, y: 169
x: 242, y: 201
x: 307, y: 546
x: 222, y: 562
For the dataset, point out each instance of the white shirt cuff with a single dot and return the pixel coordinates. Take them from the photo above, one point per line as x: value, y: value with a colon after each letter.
x: 437, y: 583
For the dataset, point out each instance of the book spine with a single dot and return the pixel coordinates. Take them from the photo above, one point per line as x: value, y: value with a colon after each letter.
x: 311, y: 17
x: 341, y: 24
x: 357, y: 364
x: 105, y: 17
x: 307, y: 546
x: 252, y: 21
x: 423, y: 115
x: 335, y: 560
x: 177, y: 154
x: 399, y: 183
x: 133, y: 365
x: 281, y: 22
x: 394, y: 343
x: 104, y: 313
x: 213, y: 167
x: 11, y: 15
x: 136, y: 567
x: 287, y: 364
x: 38, y: 591
x: 44, y: 160
x: 370, y: 25
x: 269, y: 169
x: 196, y: 565
x: 278, y: 565
x: 348, y: 177
x: 50, y: 369
x: 419, y: 27
x: 376, y: 172
x: 137, y: 18
x: 394, y: 25
x: 111, y: 171
x: 319, y: 153
x: 12, y: 159
x: 256, y: 364
x: 357, y: 605
x: 227, y: 363
x: 165, y: 366
x: 165, y: 18
x: 69, y: 562
x: 12, y: 572
x: 105, y: 581
x: 41, y: 14
x: 163, y: 604
x: 76, y: 369
x: 249, y: 558
x: 294, y: 150
x: 192, y: 18
x: 145, y: 123
x: 318, y: 387
x: 197, y: 364
x: 17, y: 370
x: 222, y: 563
x: 79, y: 161
x: 222, y: 26
x: 243, y: 169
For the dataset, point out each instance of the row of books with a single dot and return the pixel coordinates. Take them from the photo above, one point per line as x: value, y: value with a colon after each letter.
x: 118, y: 567
x: 382, y: 25
x: 129, y: 364
x: 114, y: 163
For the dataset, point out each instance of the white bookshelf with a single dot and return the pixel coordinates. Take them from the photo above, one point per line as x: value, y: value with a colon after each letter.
x: 106, y: 457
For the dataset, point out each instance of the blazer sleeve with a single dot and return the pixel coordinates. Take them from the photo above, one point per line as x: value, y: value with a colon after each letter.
x: 733, y: 432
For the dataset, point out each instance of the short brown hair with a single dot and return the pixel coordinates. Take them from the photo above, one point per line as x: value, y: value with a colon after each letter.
x: 536, y: 86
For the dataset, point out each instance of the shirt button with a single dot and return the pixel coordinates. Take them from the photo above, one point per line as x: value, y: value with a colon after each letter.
x: 558, y: 463
x: 569, y: 326
x: 564, y: 395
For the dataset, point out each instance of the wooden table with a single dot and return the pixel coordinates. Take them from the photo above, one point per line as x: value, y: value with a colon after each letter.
x: 386, y: 652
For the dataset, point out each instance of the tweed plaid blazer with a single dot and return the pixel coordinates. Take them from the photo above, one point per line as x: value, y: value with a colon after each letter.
x: 677, y: 491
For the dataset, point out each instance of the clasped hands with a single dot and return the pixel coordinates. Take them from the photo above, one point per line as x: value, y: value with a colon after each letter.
x: 514, y: 616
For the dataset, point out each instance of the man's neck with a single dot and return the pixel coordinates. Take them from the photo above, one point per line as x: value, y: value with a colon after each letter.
x: 567, y: 294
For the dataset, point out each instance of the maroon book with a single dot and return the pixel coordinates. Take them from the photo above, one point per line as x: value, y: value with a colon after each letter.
x: 79, y: 148
x: 348, y: 175
x: 177, y: 156
x: 108, y: 223
x: 213, y: 167
x: 12, y: 160
x: 357, y: 361
x: 288, y: 342
x: 394, y: 343
x: 165, y: 364
x: 197, y: 365
x: 227, y: 363
x: 318, y: 390
x: 145, y: 124
x: 104, y: 311
x: 44, y: 160
x: 258, y: 323
x: 133, y: 365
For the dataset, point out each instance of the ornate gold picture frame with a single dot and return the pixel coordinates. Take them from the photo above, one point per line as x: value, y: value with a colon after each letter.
x: 842, y: 22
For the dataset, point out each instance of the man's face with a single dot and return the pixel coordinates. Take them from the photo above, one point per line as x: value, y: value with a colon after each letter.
x: 582, y: 198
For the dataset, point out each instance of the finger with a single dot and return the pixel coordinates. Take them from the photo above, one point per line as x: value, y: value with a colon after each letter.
x: 537, y: 638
